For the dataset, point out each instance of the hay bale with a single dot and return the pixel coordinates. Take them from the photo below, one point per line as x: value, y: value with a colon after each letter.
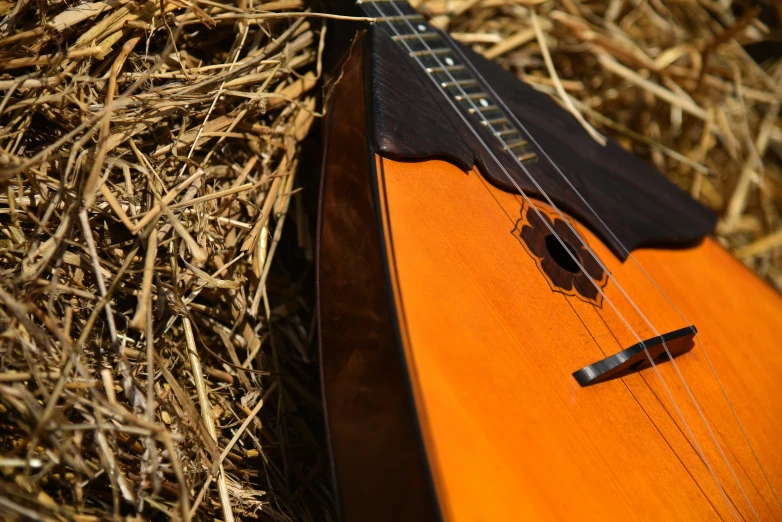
x: 147, y: 158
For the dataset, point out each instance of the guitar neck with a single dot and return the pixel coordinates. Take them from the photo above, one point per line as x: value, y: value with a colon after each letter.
x: 434, y: 52
x: 428, y: 97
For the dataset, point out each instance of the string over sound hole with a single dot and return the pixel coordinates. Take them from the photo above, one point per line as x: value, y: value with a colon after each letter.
x: 565, y: 256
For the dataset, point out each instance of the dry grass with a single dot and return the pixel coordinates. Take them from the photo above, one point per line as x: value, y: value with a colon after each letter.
x: 156, y: 334
x: 148, y: 164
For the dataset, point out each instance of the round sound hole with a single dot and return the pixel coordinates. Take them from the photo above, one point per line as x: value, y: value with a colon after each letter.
x: 565, y: 256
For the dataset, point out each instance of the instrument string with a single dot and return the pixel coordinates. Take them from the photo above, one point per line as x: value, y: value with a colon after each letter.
x: 629, y: 254
x: 626, y: 252
x: 499, y: 164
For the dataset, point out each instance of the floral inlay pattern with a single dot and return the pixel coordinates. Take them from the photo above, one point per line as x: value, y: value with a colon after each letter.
x: 554, y: 260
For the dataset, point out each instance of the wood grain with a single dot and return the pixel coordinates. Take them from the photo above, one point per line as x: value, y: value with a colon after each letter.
x: 379, y: 466
x: 490, y: 349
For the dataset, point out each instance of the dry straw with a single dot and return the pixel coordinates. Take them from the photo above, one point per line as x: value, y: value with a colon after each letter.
x: 148, y: 158
x: 156, y: 333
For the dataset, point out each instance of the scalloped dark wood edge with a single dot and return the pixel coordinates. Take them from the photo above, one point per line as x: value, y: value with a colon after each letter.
x: 410, y: 119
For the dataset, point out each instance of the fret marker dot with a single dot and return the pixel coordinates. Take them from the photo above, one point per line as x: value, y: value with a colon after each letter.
x: 449, y: 60
x: 484, y: 102
x: 421, y: 27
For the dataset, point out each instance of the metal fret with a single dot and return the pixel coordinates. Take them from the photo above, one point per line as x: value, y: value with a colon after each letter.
x: 483, y: 109
x: 496, y: 121
x: 428, y: 52
x: 402, y: 18
x: 505, y: 132
x: 516, y: 144
x: 415, y: 36
x: 527, y: 157
x: 445, y: 68
x: 462, y: 83
x: 473, y: 96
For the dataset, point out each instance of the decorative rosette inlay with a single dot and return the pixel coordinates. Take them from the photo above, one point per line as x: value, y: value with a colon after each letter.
x: 554, y: 260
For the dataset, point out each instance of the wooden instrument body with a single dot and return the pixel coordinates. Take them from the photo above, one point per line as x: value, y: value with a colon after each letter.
x: 447, y: 357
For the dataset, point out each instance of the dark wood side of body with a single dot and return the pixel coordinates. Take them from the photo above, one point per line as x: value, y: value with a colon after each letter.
x: 378, y: 459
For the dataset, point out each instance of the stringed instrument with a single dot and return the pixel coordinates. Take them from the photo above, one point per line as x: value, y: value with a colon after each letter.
x: 517, y: 322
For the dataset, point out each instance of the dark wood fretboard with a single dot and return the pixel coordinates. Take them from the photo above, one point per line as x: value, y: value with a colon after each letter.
x: 432, y: 50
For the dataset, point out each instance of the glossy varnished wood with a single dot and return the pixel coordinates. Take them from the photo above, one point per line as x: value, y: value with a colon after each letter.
x: 380, y: 470
x: 490, y: 348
